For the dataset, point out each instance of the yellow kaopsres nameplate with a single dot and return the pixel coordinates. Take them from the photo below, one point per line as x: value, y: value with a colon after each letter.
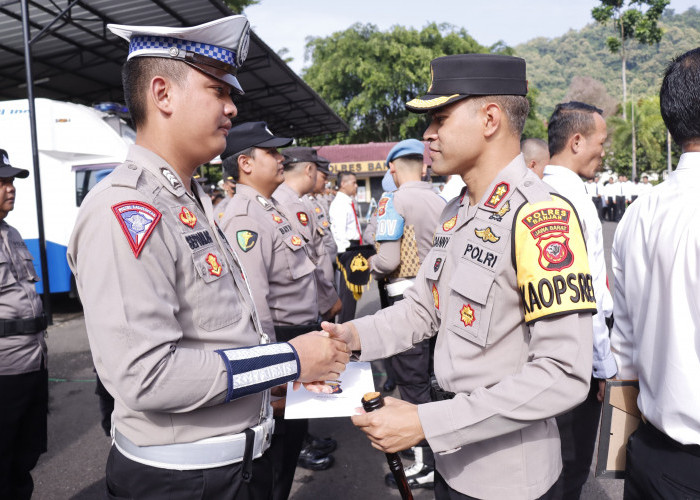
x: 551, y: 260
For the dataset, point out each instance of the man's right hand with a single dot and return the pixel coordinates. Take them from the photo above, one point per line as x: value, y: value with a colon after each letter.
x: 320, y: 356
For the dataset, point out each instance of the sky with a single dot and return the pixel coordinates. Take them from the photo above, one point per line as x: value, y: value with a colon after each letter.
x: 287, y: 23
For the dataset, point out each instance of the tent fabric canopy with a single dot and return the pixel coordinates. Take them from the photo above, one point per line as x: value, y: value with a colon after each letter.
x: 75, y: 58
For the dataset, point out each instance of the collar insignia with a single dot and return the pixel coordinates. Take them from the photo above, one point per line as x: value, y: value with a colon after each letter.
x: 172, y: 178
x: 497, y: 194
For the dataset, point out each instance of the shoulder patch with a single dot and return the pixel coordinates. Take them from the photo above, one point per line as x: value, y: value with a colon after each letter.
x: 390, y: 223
x: 549, y: 253
x: 138, y: 220
x: 246, y: 239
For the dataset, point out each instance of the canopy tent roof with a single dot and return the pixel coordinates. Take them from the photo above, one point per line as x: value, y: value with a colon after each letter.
x: 75, y: 58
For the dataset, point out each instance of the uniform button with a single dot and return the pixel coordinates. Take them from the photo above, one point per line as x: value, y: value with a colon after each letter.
x: 527, y: 183
x: 174, y: 51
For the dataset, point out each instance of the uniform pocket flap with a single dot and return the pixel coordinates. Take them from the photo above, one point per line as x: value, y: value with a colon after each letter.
x: 472, y: 282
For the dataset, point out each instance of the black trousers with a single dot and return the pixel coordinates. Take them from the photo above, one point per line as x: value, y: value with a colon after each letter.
x: 129, y: 479
x: 287, y: 442
x: 444, y: 492
x: 659, y: 467
x: 598, y: 203
x: 22, y: 430
x: 578, y: 429
x: 620, y: 206
x: 346, y: 298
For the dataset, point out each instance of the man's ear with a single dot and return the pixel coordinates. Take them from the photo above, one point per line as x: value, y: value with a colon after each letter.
x: 392, y: 167
x: 492, y: 118
x: 245, y: 164
x: 577, y: 143
x: 160, y: 94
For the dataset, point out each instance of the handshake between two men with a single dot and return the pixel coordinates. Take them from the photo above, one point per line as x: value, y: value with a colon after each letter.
x: 323, y: 356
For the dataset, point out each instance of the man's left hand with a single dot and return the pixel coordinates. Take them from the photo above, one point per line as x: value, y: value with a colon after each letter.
x: 393, y: 428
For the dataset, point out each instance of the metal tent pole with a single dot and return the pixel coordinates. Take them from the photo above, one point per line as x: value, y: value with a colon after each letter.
x: 46, y: 296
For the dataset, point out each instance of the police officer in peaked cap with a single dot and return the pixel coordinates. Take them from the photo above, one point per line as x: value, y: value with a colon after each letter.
x: 505, y: 287
x: 173, y: 329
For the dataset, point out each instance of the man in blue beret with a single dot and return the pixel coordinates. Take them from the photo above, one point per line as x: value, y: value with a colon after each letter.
x: 406, y: 220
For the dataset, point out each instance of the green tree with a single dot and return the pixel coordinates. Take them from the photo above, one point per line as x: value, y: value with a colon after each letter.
x: 649, y: 134
x: 367, y: 75
x: 238, y: 5
x: 630, y: 24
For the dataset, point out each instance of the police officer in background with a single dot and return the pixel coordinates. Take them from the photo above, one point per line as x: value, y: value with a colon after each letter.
x: 505, y: 287
x: 315, y: 203
x: 406, y: 222
x: 277, y: 258
x: 300, y: 175
x: 173, y: 330
x: 23, y: 356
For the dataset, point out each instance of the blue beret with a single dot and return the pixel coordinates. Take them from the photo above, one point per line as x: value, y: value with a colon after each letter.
x: 405, y: 148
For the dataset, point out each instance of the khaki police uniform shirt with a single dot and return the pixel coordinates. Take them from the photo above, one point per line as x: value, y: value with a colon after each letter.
x: 320, y: 215
x: 161, y: 290
x: 274, y: 255
x: 420, y: 207
x: 476, y: 289
x: 303, y: 219
x: 18, y: 300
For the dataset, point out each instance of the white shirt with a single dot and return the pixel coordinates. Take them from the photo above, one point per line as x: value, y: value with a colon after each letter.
x: 643, y: 188
x: 591, y: 189
x: 453, y: 187
x: 343, y: 221
x: 612, y: 189
x: 570, y: 185
x: 656, y: 337
x: 627, y: 188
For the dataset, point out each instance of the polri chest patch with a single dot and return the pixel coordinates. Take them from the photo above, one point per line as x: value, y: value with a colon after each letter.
x: 137, y: 220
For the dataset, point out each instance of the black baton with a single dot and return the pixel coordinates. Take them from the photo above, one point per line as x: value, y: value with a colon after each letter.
x: 373, y: 401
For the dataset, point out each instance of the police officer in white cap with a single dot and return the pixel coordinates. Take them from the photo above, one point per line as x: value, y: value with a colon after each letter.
x: 173, y: 329
x: 23, y: 375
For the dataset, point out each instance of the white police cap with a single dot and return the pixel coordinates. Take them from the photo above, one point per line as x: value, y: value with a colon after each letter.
x: 221, y: 44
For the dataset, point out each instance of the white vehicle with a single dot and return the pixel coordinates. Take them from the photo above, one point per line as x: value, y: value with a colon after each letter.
x: 78, y: 146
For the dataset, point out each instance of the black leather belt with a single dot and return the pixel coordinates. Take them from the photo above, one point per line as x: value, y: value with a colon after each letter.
x: 24, y: 326
x: 437, y: 393
x: 287, y: 333
x: 693, y: 449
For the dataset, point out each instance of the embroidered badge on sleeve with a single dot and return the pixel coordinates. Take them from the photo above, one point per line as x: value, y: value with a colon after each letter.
x: 246, y: 239
x: 138, y: 220
x: 551, y: 260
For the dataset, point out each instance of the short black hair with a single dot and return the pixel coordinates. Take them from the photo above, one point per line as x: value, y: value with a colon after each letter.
x: 341, y: 177
x: 516, y: 108
x: 136, y: 76
x: 680, y: 97
x: 230, y: 164
x: 570, y: 118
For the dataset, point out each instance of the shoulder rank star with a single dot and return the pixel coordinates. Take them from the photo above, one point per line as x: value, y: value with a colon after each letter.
x: 497, y: 194
x: 487, y: 235
x: 499, y: 215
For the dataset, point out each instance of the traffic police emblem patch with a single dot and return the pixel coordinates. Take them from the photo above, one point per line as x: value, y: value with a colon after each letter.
x: 449, y: 224
x: 246, y: 239
x: 497, y: 194
x: 467, y: 315
x: 436, y: 297
x: 487, y: 235
x: 188, y: 218
x: 303, y: 218
x: 214, y: 266
x: 137, y: 220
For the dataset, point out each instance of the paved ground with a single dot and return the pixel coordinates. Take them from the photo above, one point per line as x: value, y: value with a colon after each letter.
x: 73, y: 468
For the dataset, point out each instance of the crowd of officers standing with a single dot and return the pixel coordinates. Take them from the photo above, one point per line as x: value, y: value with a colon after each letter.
x: 496, y: 325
